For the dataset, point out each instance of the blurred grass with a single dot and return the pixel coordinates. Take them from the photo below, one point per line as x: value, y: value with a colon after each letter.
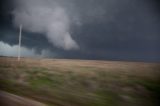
x: 82, y: 83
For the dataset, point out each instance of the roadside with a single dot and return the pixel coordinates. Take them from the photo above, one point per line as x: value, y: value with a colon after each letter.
x: 8, y: 99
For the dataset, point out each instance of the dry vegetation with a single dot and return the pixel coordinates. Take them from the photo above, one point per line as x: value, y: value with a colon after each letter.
x: 60, y: 82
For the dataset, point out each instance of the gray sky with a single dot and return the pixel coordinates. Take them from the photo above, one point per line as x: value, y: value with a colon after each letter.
x: 83, y: 29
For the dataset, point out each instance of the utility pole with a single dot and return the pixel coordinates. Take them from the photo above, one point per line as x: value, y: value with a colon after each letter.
x: 19, y: 47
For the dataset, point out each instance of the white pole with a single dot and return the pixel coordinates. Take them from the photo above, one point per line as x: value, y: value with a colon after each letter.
x: 19, y: 47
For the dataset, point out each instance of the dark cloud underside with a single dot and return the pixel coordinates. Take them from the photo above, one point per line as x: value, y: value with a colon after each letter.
x: 103, y: 29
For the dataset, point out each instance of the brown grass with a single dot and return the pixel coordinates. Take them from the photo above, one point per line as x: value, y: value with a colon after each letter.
x: 70, y: 82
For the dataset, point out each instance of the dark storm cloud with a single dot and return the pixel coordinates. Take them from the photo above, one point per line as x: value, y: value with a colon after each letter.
x: 103, y: 29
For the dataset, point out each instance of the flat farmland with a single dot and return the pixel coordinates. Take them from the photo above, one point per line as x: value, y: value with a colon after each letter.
x: 67, y: 82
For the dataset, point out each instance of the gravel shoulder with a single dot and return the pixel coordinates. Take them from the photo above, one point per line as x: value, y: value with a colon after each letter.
x: 8, y: 99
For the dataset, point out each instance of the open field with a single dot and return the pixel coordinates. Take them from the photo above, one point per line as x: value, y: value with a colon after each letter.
x: 60, y: 82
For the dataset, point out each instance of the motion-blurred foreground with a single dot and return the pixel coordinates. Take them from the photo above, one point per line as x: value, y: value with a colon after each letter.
x: 59, y: 82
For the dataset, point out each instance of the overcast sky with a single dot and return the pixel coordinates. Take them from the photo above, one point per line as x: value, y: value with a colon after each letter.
x: 82, y: 29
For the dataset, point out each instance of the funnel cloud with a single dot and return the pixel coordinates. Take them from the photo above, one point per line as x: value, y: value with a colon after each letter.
x: 47, y: 17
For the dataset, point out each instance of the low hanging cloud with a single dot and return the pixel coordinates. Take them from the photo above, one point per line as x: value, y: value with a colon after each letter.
x: 9, y: 50
x: 47, y: 17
